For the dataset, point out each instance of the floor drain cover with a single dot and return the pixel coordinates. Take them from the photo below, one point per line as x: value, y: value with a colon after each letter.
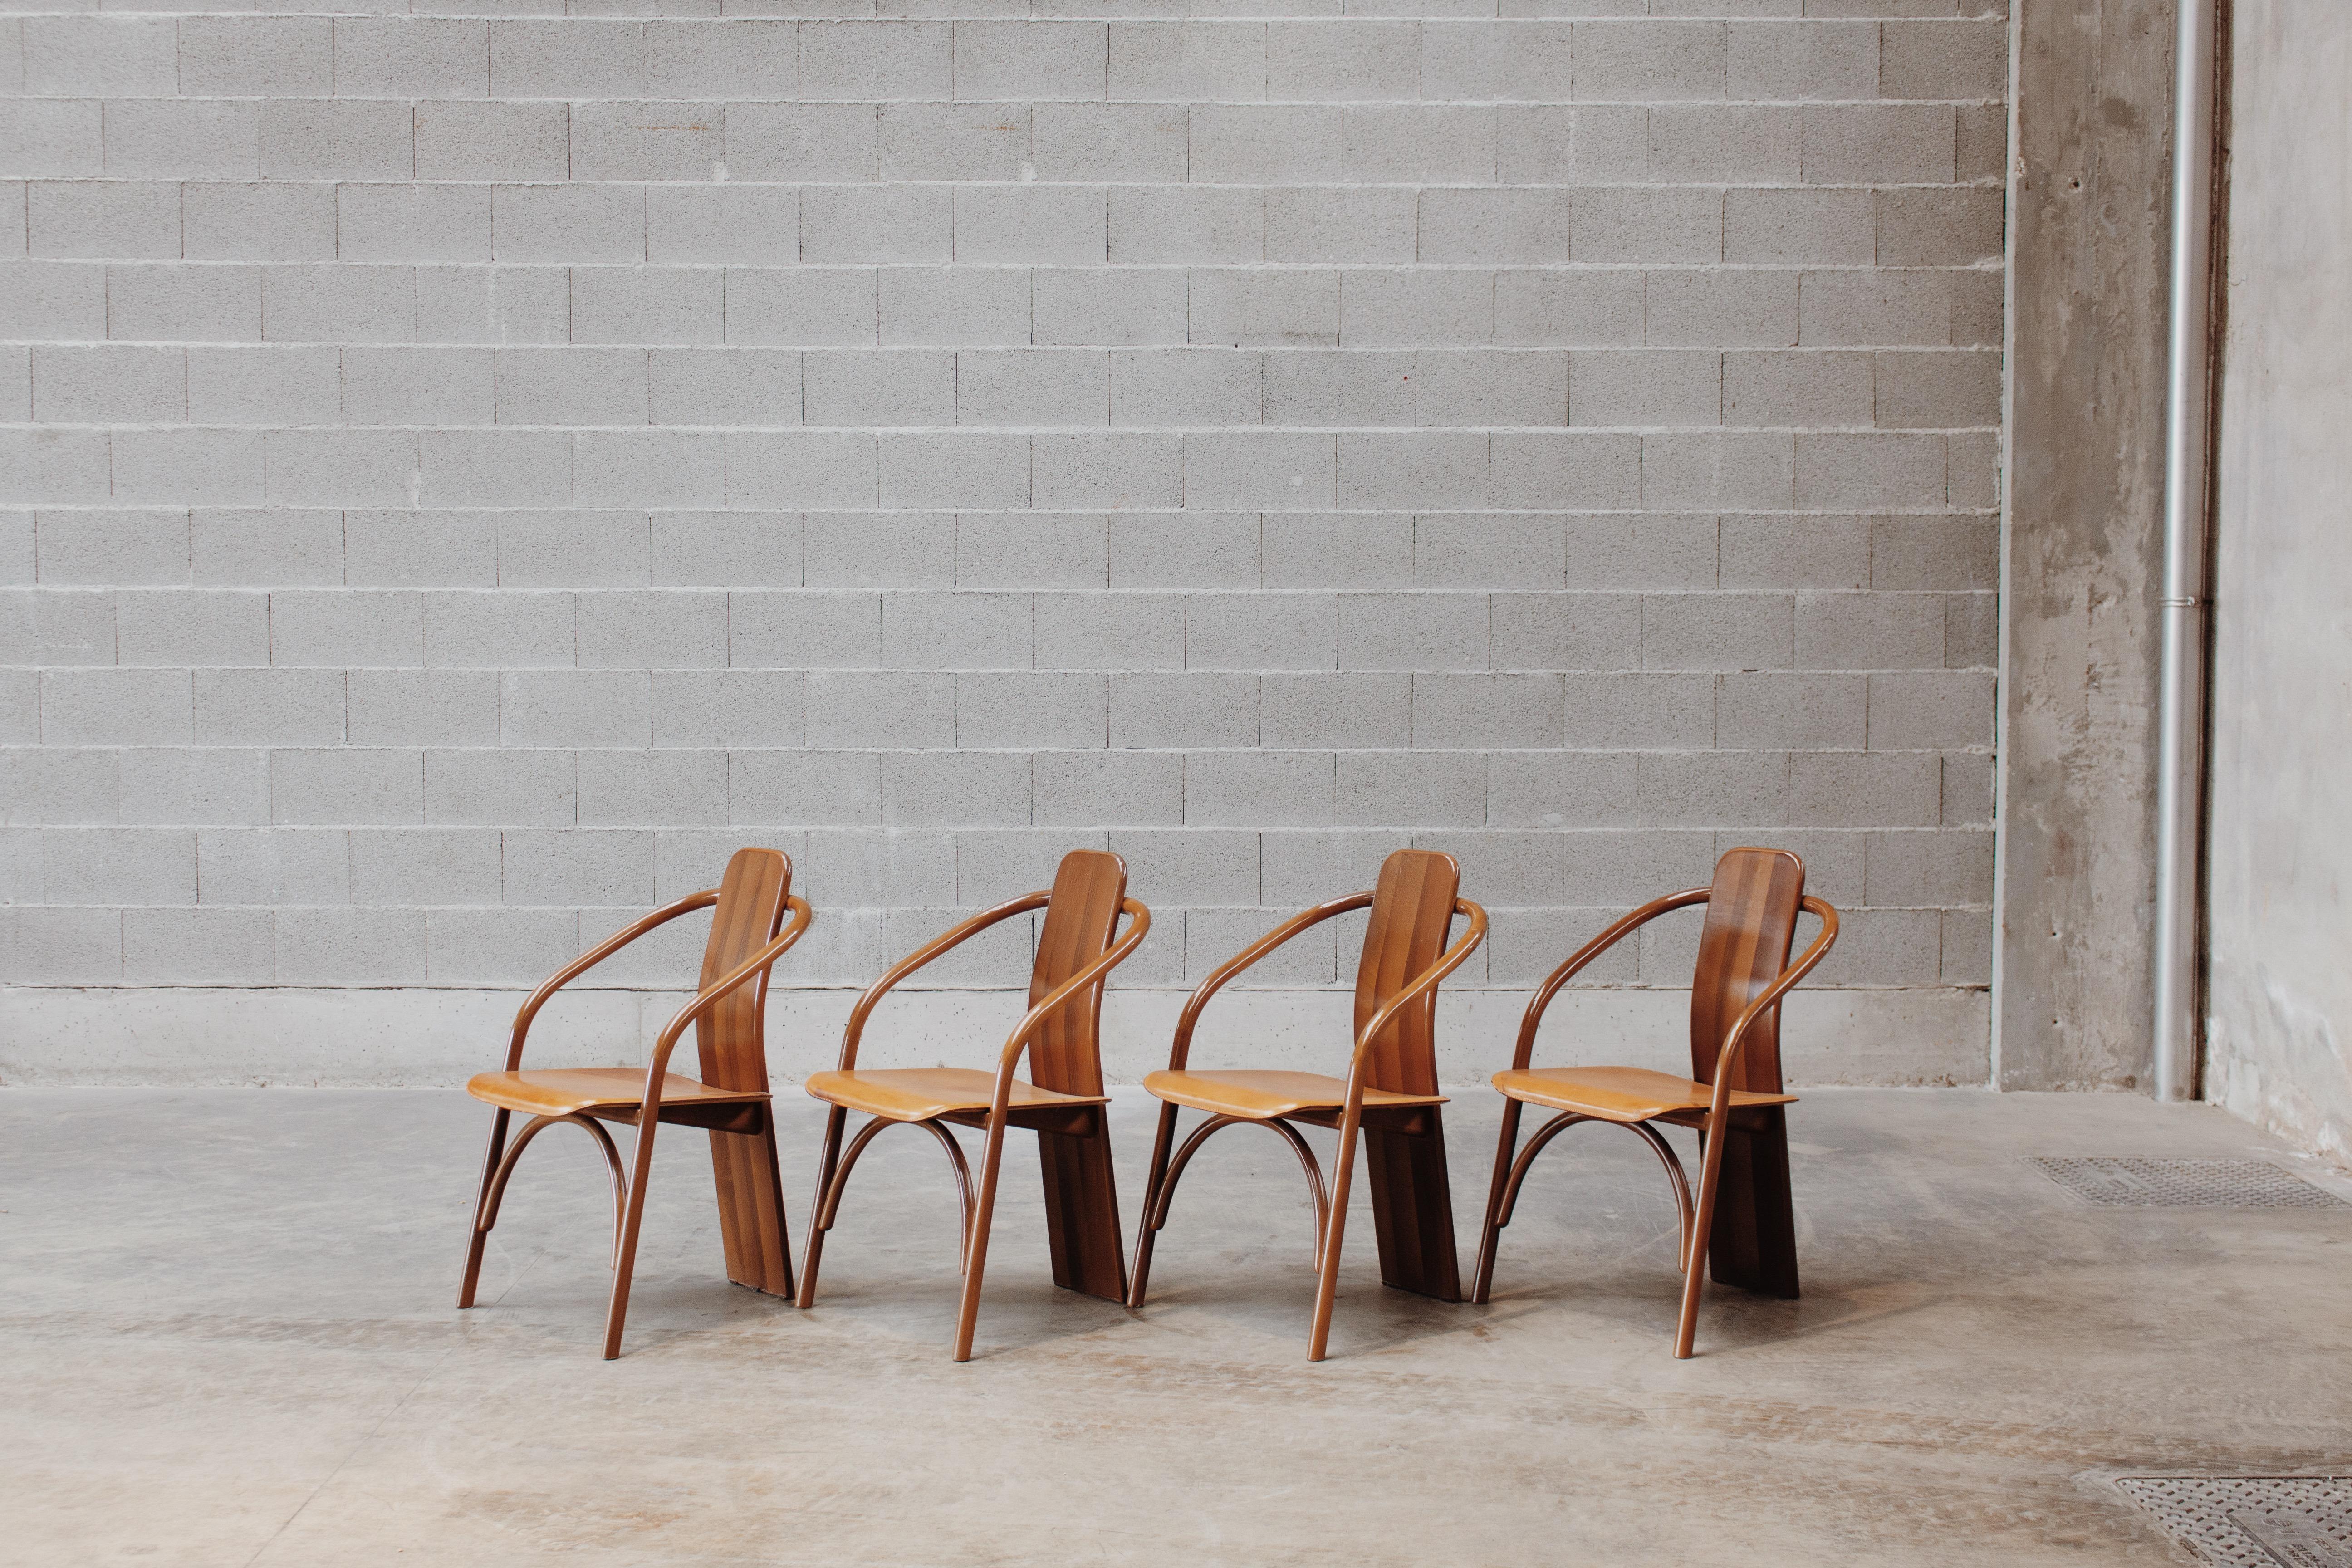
x: 2186, y: 1185
x: 2254, y: 1521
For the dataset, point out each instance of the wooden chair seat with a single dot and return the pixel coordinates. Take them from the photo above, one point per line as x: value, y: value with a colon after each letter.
x: 1254, y: 1096
x: 1620, y: 1094
x: 565, y: 1091
x: 918, y: 1094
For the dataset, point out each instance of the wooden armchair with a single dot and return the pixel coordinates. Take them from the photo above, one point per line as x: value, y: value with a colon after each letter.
x: 1390, y: 1092
x: 1744, y: 1225
x: 1065, y: 1106
x: 730, y: 1098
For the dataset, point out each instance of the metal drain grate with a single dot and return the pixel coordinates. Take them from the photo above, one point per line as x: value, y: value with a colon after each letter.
x: 2186, y: 1185
x: 2252, y: 1521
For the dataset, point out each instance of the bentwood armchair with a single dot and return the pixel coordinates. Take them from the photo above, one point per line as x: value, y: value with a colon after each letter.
x: 730, y: 1098
x: 1744, y: 1223
x: 1065, y: 1105
x: 1390, y: 1094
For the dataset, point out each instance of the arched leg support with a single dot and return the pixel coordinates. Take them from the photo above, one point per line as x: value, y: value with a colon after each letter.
x: 830, y: 1201
x: 1544, y: 1134
x: 963, y: 1186
x: 830, y: 1205
x: 1157, y: 1218
x: 1675, y: 1173
x: 1505, y: 1199
x: 829, y: 1191
x: 494, y: 1192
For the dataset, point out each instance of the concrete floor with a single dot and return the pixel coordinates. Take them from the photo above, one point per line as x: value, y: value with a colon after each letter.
x: 227, y: 1338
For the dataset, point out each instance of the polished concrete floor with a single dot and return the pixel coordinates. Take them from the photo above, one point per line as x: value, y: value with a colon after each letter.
x: 227, y: 1337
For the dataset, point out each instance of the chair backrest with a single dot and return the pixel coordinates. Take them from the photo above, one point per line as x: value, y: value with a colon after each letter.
x: 1066, y: 1054
x: 1412, y: 909
x: 1751, y: 921
x: 731, y: 1036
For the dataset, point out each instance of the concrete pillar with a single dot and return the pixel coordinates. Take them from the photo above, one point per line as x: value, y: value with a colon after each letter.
x: 2089, y: 177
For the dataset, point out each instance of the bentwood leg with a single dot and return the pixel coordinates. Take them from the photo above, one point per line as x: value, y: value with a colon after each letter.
x: 828, y: 1162
x: 1146, y: 1232
x: 1326, y: 1269
x: 624, y: 1261
x: 478, y: 1235
x: 751, y: 1208
x: 1082, y: 1210
x: 975, y: 1259
x: 1490, y: 1237
x: 1413, y: 1209
x: 1755, y: 1240
x: 1695, y: 1274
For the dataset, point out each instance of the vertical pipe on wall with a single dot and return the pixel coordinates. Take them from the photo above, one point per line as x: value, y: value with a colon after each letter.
x: 2180, y: 692
x: 2004, y: 603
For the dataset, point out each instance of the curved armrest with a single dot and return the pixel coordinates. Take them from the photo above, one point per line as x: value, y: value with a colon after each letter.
x: 923, y: 955
x: 1426, y: 980
x: 1617, y: 932
x: 594, y: 956
x: 1182, y: 1050
x: 1769, y: 998
x: 1138, y: 922
x: 750, y: 968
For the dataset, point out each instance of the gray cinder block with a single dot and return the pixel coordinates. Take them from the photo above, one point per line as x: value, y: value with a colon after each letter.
x: 466, y: 474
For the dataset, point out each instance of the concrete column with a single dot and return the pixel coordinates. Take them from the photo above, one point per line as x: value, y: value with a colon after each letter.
x: 2089, y: 176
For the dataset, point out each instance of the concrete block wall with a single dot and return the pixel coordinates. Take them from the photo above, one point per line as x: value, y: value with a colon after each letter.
x: 466, y: 472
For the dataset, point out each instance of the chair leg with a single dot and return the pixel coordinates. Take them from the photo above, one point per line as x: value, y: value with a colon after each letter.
x: 751, y: 1224
x: 625, y: 1262
x: 1082, y: 1210
x: 976, y: 1253
x: 477, y: 1234
x: 1327, y: 1270
x: 1412, y: 1210
x: 1147, y: 1231
x: 1490, y: 1238
x: 819, y: 1221
x: 1695, y: 1275
x: 1755, y: 1241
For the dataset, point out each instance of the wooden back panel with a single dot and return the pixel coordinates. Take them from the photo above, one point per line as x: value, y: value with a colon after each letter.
x: 1751, y: 920
x: 1413, y: 908
x: 731, y: 1036
x: 1065, y: 1055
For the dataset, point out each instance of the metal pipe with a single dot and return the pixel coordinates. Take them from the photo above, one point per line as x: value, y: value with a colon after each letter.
x: 2180, y: 682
